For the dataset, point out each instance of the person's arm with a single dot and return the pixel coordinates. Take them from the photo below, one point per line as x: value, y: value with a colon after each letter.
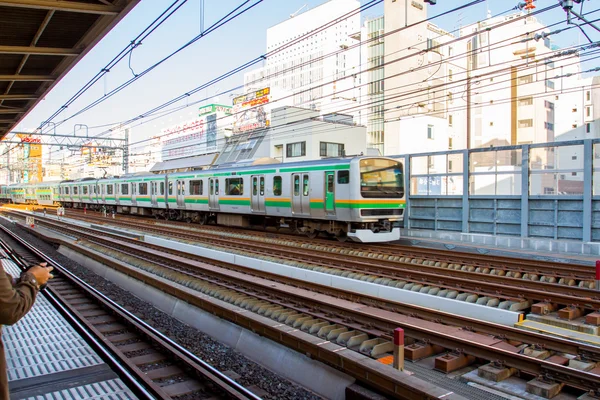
x: 16, y: 301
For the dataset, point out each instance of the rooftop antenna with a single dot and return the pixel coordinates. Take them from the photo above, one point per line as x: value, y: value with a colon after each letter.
x: 296, y: 13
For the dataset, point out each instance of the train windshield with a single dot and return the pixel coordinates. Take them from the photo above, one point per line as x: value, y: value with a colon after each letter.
x: 382, y: 178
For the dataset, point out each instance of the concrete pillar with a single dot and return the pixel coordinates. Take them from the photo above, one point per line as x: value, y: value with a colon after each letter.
x: 544, y: 388
x: 494, y: 372
x: 399, y: 349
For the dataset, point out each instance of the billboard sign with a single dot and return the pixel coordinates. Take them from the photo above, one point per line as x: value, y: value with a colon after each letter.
x: 249, y: 111
x: 214, y: 108
x: 32, y: 152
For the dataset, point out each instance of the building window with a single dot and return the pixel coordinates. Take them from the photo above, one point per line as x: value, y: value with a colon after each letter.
x: 343, y: 177
x: 548, y: 105
x: 526, y: 101
x: 331, y: 149
x: 449, y: 74
x: 491, y: 123
x: 549, y: 126
x: 574, y: 110
x: 430, y: 133
x: 588, y: 111
x: 573, y: 173
x: 526, y: 123
x: 124, y: 188
x: 573, y: 157
x: 574, y: 126
x: 296, y: 149
x: 196, y: 188
x: 588, y: 127
x: 525, y: 79
x: 588, y: 95
x: 235, y: 186
x: 450, y: 120
x: 450, y: 143
x: 549, y: 84
x: 277, y: 186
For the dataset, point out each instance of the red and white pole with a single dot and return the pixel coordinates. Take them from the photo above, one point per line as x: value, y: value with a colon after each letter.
x: 399, y: 349
x: 597, y: 274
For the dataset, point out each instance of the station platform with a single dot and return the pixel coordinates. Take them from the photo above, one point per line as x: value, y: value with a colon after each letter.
x: 48, y: 359
x: 561, y: 251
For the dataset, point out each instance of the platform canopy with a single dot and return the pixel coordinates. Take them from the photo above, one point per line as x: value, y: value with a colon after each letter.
x: 40, y: 41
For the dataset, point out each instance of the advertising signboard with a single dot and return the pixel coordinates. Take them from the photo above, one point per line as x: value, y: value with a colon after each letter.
x: 214, y: 108
x: 249, y: 111
x: 32, y: 153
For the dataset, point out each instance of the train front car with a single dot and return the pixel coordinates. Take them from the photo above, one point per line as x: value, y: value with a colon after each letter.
x: 377, y: 199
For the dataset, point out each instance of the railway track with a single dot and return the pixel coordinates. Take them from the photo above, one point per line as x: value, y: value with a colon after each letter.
x: 495, y: 287
x: 153, y: 365
x: 303, y: 310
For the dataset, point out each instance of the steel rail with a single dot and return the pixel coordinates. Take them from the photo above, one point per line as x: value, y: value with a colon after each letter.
x: 365, y: 318
x: 222, y: 381
x: 483, y: 284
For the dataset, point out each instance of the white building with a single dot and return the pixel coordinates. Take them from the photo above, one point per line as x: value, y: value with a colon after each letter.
x: 424, y: 111
x: 319, y: 71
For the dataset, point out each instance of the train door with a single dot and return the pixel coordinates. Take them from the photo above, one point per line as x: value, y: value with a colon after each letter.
x: 258, y: 193
x: 134, y: 192
x: 153, y: 193
x: 213, y: 193
x: 180, y: 194
x: 330, y: 192
x: 300, y: 194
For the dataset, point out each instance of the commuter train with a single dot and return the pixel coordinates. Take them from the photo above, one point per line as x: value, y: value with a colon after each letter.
x: 361, y: 198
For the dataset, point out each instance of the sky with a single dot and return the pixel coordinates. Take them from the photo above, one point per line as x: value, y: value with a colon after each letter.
x: 228, y: 47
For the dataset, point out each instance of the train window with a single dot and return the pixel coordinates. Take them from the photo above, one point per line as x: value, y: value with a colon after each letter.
x: 75, y: 190
x: 330, y: 183
x: 235, y: 186
x: 212, y: 188
x: 262, y: 186
x: 110, y: 189
x: 183, y: 188
x: 195, y: 188
x: 343, y: 177
x: 296, y: 185
x: 254, y: 186
x: 143, y: 188
x: 178, y: 188
x: 170, y: 188
x: 162, y: 188
x: 305, y: 186
x: 216, y: 187
x: 277, y: 186
x: 66, y: 190
x: 124, y: 188
x: 84, y: 190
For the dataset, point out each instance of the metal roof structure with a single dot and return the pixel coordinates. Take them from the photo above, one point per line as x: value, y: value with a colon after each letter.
x: 40, y: 41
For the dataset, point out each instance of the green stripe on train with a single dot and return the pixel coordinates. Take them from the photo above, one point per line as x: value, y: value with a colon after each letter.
x: 232, y: 202
x: 278, y: 203
x: 196, y: 201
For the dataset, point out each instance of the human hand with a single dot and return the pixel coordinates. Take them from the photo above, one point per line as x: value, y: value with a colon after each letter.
x: 41, y: 273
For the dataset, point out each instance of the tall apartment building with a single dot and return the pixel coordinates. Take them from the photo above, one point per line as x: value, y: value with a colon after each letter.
x: 319, y: 72
x: 423, y: 107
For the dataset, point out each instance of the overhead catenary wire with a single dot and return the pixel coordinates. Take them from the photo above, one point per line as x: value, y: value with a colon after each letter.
x: 224, y: 20
x: 390, y: 62
x: 138, y: 40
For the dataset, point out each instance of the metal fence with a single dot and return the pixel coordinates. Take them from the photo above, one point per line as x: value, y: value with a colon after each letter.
x: 548, y: 190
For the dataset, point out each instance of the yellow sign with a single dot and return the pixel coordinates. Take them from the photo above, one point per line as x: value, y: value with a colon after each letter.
x: 32, y: 152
